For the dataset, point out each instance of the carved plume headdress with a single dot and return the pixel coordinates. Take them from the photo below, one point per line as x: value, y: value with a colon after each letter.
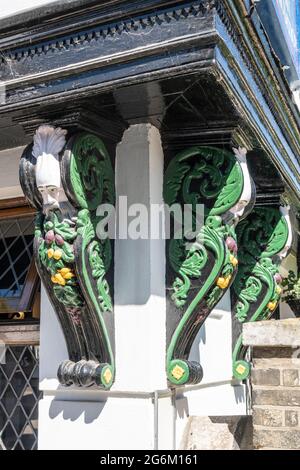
x: 48, y: 142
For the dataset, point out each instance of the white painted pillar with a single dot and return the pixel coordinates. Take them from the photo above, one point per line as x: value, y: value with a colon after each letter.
x: 123, y: 418
x: 140, y: 305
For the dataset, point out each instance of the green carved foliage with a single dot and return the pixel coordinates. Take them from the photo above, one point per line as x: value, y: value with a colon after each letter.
x: 68, y: 295
x: 91, y: 178
x: 57, y: 256
x: 250, y: 292
x: 88, y: 179
x: 74, y: 263
x: 95, y: 259
x: 204, y: 175
x: 214, y: 178
x: 263, y: 233
x: 261, y: 236
x: 188, y: 264
x: 99, y: 260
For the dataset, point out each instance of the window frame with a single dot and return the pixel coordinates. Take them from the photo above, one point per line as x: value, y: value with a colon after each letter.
x: 17, y: 208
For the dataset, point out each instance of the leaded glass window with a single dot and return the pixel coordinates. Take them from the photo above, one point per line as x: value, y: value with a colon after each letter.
x: 18, y: 276
x: 16, y: 239
x: 19, y: 300
x: 19, y: 395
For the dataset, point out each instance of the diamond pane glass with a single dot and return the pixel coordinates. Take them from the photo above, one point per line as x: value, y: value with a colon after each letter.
x: 19, y: 397
x: 8, y: 436
x: 18, y: 419
x: 27, y: 362
x: 8, y: 400
x: 28, y: 438
x: 18, y: 446
x: 10, y: 363
x: 16, y: 243
x: 18, y: 382
x: 2, y: 382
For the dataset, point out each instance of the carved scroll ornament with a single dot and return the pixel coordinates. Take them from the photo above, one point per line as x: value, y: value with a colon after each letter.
x: 264, y: 239
x: 66, y: 182
x: 201, y: 270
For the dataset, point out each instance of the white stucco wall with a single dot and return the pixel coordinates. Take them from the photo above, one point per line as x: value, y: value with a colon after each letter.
x: 9, y: 173
x: 12, y: 7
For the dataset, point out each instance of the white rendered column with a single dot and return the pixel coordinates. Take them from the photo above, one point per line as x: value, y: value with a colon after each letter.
x: 140, y: 307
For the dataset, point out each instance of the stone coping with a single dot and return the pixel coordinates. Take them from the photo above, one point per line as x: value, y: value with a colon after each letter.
x: 275, y: 333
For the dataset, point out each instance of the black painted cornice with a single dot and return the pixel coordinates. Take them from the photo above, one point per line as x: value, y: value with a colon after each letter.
x: 62, y: 17
x: 82, y: 52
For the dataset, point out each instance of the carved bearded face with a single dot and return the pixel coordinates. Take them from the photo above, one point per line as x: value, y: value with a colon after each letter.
x: 48, y: 143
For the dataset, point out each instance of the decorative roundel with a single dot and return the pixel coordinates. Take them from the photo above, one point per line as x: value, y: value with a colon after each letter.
x: 241, y: 369
x: 87, y: 173
x: 182, y: 372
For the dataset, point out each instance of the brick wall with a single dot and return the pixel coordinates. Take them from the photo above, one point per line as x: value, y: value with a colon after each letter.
x: 276, y: 399
x: 275, y: 381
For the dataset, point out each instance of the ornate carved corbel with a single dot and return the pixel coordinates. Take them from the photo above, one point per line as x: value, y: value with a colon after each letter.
x: 201, y: 270
x: 264, y: 239
x: 66, y: 182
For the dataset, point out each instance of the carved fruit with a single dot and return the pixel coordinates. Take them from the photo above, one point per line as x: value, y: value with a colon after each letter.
x: 278, y: 290
x: 50, y: 253
x: 49, y: 237
x: 59, y: 240
x: 68, y: 276
x: 231, y: 244
x: 272, y: 305
x: 59, y: 279
x: 233, y: 261
x: 223, y: 282
x: 278, y: 278
x: 57, y: 254
x: 64, y: 271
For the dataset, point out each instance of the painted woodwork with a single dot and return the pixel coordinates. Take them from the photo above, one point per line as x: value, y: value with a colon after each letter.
x: 49, y: 66
x: 201, y: 270
x: 264, y: 239
x: 66, y: 181
x: 62, y: 60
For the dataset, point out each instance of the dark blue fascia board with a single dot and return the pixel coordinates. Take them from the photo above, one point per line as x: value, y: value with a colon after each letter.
x: 257, y: 115
x: 271, y: 22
